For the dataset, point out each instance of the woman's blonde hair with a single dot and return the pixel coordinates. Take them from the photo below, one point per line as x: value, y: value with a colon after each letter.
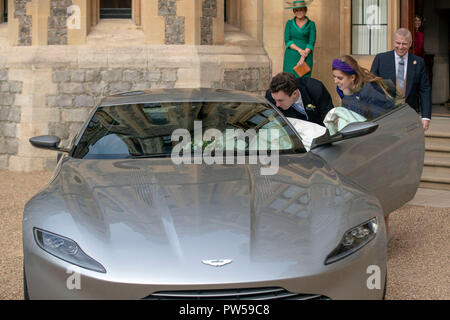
x: 362, y: 75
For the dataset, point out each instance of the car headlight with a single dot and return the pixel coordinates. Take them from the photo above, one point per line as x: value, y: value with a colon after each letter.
x: 66, y: 249
x: 353, y: 240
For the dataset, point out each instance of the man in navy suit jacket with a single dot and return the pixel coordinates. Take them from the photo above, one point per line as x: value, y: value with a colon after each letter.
x: 408, y: 72
x: 300, y: 98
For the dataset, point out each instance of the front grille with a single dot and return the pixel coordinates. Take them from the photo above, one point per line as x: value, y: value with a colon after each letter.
x: 234, y: 294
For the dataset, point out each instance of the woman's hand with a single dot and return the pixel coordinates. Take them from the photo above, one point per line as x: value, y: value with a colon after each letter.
x: 301, y: 62
x: 303, y: 53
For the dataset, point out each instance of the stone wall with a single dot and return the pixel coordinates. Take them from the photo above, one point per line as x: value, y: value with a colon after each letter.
x: 9, y: 117
x: 209, y: 11
x: 174, y: 25
x: 245, y: 79
x: 57, y: 22
x: 25, y: 23
x: 78, y: 90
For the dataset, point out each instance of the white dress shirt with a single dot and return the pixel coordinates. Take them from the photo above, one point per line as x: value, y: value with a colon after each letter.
x: 299, y: 106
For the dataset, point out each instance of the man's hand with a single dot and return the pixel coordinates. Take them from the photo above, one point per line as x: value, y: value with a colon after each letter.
x: 426, y: 124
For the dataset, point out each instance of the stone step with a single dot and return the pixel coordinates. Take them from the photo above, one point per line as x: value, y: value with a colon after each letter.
x: 437, y: 146
x: 438, y: 140
x: 437, y: 154
x: 235, y: 37
x: 432, y: 160
x: 439, y: 126
x: 436, y: 175
x: 438, y: 134
x: 435, y: 186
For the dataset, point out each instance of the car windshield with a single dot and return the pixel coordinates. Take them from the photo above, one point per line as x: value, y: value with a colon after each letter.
x: 155, y: 129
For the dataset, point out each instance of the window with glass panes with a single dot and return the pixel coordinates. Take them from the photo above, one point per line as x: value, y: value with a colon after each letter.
x: 369, y: 26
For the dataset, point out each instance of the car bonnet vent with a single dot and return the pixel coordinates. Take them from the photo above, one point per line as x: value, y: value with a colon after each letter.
x: 234, y: 294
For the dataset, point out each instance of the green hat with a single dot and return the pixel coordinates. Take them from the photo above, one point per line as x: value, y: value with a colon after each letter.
x: 298, y: 4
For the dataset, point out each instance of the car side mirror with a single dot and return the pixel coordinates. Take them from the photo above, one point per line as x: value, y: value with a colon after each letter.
x: 352, y: 130
x: 48, y: 143
x: 358, y: 129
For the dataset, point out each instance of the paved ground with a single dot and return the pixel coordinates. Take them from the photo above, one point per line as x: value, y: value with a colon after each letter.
x: 418, y: 255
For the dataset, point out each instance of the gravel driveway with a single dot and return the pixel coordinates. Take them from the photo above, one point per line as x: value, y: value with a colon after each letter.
x: 418, y: 255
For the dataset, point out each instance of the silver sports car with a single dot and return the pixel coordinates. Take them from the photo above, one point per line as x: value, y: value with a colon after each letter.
x: 211, y: 194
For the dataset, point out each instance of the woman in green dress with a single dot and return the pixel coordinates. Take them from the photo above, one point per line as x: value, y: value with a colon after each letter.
x: 300, y: 38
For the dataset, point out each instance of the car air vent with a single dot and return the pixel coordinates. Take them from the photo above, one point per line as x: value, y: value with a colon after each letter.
x: 234, y: 294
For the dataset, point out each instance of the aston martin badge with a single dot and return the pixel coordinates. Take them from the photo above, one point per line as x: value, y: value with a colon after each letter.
x: 217, y: 263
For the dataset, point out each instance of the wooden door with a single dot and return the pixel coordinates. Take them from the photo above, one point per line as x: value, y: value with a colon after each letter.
x: 407, y: 14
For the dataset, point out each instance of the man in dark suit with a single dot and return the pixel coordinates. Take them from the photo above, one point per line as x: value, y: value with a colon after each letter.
x: 408, y: 72
x: 301, y: 98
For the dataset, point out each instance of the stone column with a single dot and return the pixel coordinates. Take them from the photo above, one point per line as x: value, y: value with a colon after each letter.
x: 183, y: 22
x: 191, y: 11
x: 212, y: 24
x: 40, y: 22
x: 19, y: 23
x: 153, y: 24
x: 136, y: 5
x: 251, y: 12
x: 44, y: 22
x: 93, y: 13
x: 219, y: 23
x: 274, y: 23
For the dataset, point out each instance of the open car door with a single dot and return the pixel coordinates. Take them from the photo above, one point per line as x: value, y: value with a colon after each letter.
x: 388, y: 163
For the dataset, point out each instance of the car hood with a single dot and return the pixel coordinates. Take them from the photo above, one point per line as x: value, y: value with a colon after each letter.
x: 149, y: 219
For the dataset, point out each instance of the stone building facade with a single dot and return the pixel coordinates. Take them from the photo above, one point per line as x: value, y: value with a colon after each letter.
x: 55, y: 65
